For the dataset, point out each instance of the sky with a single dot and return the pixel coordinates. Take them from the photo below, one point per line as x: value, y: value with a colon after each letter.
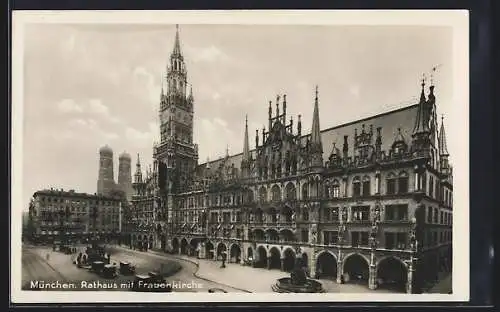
x: 87, y: 85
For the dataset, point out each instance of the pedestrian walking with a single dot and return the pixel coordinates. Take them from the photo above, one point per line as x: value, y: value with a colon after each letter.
x: 47, y: 256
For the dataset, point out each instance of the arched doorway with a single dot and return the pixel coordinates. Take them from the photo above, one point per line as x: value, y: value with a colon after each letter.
x: 193, y: 246
x: 221, y: 248
x: 235, y: 253
x: 262, y: 257
x: 275, y: 262
x: 175, y: 245
x: 356, y: 269
x: 163, y: 242
x: 151, y: 242
x: 250, y: 254
x: 326, y: 265
x: 287, y: 235
x: 288, y: 260
x: 184, y: 246
x: 209, y: 250
x: 392, y: 274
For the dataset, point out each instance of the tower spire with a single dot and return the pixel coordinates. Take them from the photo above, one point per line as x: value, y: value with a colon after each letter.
x: 421, y: 125
x: 443, y: 148
x: 316, y: 148
x: 246, y: 144
x: 315, y: 131
x: 177, y: 44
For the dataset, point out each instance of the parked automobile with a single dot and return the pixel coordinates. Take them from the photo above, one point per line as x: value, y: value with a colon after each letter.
x: 217, y: 290
x: 150, y: 283
x: 126, y: 268
x: 109, y: 271
x: 97, y: 267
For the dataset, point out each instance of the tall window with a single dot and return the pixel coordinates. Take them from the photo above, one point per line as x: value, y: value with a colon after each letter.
x: 305, y: 191
x: 262, y: 195
x: 359, y: 239
x: 391, y: 184
x: 366, y: 186
x: 436, y: 212
x: 403, y: 183
x: 431, y: 186
x: 360, y: 213
x: 396, y: 212
x: 276, y: 193
x: 356, y: 187
x: 305, y: 235
x: 335, y: 193
x: 291, y: 192
x: 429, y: 214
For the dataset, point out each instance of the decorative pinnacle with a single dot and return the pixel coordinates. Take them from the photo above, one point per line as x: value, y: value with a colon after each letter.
x: 316, y: 91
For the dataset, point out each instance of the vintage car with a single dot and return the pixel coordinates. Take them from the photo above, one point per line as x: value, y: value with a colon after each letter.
x: 109, y: 271
x: 97, y: 267
x: 126, y: 268
x: 216, y: 290
x: 150, y: 283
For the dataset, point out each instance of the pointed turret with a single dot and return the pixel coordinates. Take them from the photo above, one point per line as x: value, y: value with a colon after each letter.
x: 316, y: 148
x: 246, y: 144
x: 421, y: 124
x: 177, y: 43
x: 138, y: 171
x: 245, y: 162
x: 315, y: 131
x: 443, y: 148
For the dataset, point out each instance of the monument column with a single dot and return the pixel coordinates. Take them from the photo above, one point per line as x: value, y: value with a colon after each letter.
x: 340, y: 271
x: 269, y: 263
x: 282, y: 264
x: 409, y: 283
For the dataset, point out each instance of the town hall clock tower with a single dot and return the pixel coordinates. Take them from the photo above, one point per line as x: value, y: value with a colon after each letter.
x: 176, y: 155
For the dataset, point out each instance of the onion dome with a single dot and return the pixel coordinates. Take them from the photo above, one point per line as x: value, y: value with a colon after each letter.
x: 125, y: 156
x: 106, y: 150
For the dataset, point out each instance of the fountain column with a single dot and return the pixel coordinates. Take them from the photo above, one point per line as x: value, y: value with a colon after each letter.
x: 340, y: 271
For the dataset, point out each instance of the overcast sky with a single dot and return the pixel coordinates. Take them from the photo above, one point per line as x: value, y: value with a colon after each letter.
x: 90, y: 85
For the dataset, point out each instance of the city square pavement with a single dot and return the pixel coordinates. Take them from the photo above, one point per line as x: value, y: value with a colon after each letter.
x: 36, y: 266
x: 253, y: 279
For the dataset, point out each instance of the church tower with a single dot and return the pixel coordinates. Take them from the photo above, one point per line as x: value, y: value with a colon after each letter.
x: 176, y: 153
x: 125, y: 175
x: 105, y: 181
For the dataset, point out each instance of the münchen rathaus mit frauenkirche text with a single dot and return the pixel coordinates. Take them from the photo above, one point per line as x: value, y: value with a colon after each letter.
x: 376, y: 207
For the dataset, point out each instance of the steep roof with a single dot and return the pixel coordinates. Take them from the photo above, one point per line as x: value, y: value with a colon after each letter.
x: 403, y: 118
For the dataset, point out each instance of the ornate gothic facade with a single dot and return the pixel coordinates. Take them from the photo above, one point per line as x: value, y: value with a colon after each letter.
x: 369, y: 200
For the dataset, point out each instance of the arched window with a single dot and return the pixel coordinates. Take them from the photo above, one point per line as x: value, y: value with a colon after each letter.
x: 291, y: 192
x: 391, y: 184
x: 366, y: 186
x: 262, y: 194
x: 305, y: 191
x: 403, y: 182
x: 335, y: 192
x: 276, y: 193
x: 356, y: 186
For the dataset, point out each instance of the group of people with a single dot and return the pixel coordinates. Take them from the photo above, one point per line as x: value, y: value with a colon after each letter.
x: 91, y: 254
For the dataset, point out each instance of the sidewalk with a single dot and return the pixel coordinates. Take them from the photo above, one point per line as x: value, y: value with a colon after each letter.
x: 443, y: 286
x: 61, y: 263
